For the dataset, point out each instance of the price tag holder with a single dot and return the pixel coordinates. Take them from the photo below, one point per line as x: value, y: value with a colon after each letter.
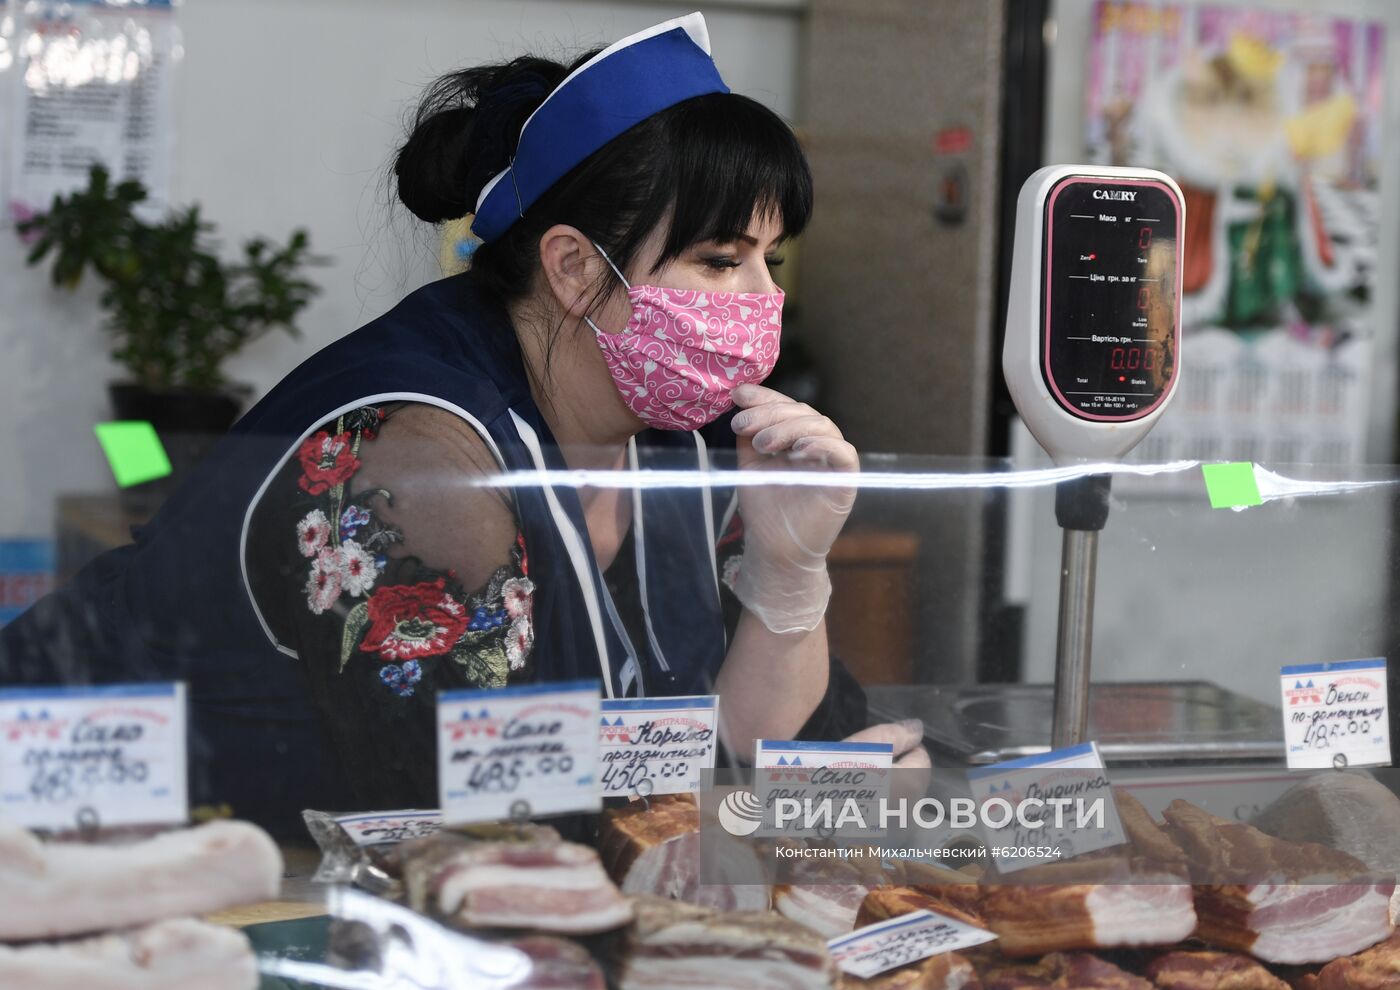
x: 1064, y: 791
x: 815, y: 773
x: 389, y: 827
x: 518, y: 752
x: 86, y: 757
x: 872, y: 950
x: 656, y: 745
x: 1336, y: 714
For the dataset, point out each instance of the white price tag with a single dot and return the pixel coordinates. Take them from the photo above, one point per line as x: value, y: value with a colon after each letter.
x: 840, y: 783
x: 1336, y: 714
x: 388, y: 827
x: 518, y: 752
x: 869, y: 951
x: 1044, y: 808
x: 111, y: 754
x: 656, y: 745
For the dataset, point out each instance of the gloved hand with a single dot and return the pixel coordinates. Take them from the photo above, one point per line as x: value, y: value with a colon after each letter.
x: 907, y: 737
x: 788, y: 529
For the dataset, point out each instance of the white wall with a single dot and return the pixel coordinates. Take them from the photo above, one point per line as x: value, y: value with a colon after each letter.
x: 287, y: 113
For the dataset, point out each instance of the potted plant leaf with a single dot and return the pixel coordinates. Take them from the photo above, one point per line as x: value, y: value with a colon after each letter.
x: 174, y: 309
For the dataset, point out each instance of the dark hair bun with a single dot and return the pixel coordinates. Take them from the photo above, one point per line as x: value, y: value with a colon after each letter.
x: 464, y: 132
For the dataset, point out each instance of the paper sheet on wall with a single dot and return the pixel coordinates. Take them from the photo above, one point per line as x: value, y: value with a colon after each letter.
x: 91, y: 82
x: 1270, y: 121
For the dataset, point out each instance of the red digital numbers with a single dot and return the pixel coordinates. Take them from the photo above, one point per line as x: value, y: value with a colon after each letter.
x: 1144, y: 238
x: 1132, y: 359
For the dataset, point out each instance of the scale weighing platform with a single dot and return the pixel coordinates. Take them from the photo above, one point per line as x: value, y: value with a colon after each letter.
x: 1141, y: 723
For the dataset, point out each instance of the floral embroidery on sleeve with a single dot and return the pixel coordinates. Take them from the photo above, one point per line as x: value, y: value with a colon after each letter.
x: 400, y: 614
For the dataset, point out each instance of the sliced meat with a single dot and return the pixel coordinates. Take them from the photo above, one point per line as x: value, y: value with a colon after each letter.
x: 884, y: 903
x: 1033, y: 919
x: 1221, y: 851
x: 677, y: 946
x: 1132, y: 895
x: 1210, y: 971
x: 827, y: 909
x: 655, y: 849
x: 1282, y: 902
x: 1059, y: 971
x: 958, y: 889
x: 543, y: 885
x: 64, y: 889
x: 558, y: 964
x: 825, y: 894
x: 168, y: 955
x: 949, y: 971
x: 1378, y: 968
x: 1350, y: 811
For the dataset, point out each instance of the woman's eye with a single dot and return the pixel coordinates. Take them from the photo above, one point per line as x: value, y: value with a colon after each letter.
x: 720, y: 262
x: 774, y: 262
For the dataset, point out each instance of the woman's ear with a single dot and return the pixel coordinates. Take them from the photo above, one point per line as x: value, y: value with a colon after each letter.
x: 570, y: 264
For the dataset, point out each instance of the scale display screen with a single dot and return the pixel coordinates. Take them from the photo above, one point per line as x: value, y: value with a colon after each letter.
x: 1110, y: 308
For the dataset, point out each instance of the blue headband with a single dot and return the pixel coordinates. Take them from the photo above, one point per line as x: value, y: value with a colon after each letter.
x: 620, y: 87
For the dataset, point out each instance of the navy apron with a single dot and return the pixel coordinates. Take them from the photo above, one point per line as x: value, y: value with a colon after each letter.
x: 175, y: 605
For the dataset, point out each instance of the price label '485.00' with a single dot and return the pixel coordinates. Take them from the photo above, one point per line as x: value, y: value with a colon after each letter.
x: 518, y: 752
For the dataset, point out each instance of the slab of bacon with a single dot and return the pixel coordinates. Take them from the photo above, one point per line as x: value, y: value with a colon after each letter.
x: 1350, y: 811
x: 1280, y: 901
x: 677, y: 946
x: 655, y: 849
x: 168, y: 955
x: 883, y: 903
x: 541, y: 885
x: 1132, y: 895
x: 55, y: 890
x: 827, y: 893
x: 1210, y: 971
x: 1059, y: 971
x: 1378, y: 968
x: 949, y: 971
x: 558, y: 964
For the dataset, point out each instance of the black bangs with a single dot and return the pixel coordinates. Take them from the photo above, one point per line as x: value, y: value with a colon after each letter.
x: 729, y: 159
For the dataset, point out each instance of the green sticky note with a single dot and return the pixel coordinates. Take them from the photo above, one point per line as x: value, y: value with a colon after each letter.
x: 1231, y: 486
x: 133, y: 450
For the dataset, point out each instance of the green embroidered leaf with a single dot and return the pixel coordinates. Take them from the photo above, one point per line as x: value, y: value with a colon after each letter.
x: 355, y: 624
x: 485, y: 666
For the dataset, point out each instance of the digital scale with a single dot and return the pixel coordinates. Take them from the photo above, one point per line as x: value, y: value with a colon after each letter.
x: 1092, y: 359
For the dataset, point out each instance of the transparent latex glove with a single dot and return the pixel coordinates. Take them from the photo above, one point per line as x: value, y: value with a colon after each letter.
x: 910, y: 757
x: 788, y: 529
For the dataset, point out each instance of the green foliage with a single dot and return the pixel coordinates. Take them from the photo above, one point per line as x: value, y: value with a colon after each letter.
x: 176, y: 312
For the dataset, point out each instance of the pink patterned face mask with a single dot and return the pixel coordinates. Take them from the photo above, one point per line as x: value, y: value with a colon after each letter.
x: 684, y: 351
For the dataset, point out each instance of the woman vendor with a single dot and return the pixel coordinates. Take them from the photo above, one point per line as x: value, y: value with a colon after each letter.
x: 356, y: 544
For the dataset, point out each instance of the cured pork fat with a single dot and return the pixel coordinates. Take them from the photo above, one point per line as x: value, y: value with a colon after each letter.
x: 1059, y: 971
x: 1378, y: 968
x: 1210, y: 971
x: 168, y: 955
x: 1282, y: 902
x: 948, y: 971
x: 677, y: 946
x: 1134, y: 895
x: 61, y: 889
x: 655, y: 849
x: 543, y: 885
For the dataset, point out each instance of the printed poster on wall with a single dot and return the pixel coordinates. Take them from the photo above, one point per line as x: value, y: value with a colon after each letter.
x: 91, y: 82
x: 1270, y: 122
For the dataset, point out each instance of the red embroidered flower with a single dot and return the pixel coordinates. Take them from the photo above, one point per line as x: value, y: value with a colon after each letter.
x: 411, y: 621
x: 326, y: 461
x: 524, y: 557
